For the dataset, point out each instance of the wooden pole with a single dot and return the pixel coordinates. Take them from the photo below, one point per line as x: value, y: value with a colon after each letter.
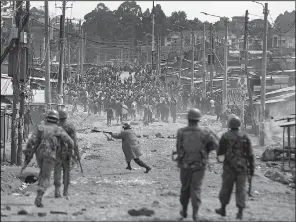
x: 263, y: 79
x: 47, y: 93
x: 61, y: 63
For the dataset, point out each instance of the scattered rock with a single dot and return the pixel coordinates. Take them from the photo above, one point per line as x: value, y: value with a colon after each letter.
x: 77, y: 213
x: 172, y: 137
x: 8, y: 207
x: 159, y: 135
x: 271, y: 164
x: 139, y: 136
x: 292, y: 185
x: 270, y: 155
x: 83, y: 209
x: 141, y: 212
x: 22, y: 212
x: 276, y: 176
x: 41, y: 214
x: 170, y: 193
x: 58, y: 212
x: 153, y: 150
x: 155, y: 203
x: 146, y: 136
x: 28, y: 193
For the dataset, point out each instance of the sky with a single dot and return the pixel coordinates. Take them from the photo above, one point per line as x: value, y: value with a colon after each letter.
x: 192, y: 8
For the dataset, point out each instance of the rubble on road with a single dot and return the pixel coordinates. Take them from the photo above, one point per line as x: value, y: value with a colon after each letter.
x: 159, y: 135
x: 277, y: 176
x: 141, y: 212
x: 9, y: 182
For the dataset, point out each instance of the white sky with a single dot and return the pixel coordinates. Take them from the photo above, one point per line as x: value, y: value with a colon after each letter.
x: 192, y: 8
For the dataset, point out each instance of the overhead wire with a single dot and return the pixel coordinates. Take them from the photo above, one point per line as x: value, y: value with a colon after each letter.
x: 99, y: 43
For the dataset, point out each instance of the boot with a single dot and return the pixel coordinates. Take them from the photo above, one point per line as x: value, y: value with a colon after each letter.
x: 38, y: 200
x: 128, y: 166
x: 142, y: 164
x: 239, y: 214
x: 65, y: 192
x: 195, y: 214
x: 221, y: 211
x: 57, y: 192
x: 183, y: 212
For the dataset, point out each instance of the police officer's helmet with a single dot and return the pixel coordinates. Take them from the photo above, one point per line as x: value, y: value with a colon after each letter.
x: 234, y: 122
x: 126, y: 126
x: 63, y: 114
x: 52, y: 116
x: 194, y: 114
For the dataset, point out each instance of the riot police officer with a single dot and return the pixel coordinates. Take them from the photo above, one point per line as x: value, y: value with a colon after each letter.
x: 63, y: 162
x: 47, y: 142
x: 236, y: 148
x: 193, y: 147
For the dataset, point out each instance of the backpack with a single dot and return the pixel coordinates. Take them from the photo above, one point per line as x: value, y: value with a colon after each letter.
x: 235, y: 157
x: 193, y: 153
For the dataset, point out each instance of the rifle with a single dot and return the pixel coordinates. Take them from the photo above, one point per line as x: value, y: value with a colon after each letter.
x: 250, y: 183
x: 100, y: 131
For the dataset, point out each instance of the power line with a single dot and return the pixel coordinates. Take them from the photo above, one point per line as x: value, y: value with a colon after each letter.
x: 100, y: 43
x: 283, y: 32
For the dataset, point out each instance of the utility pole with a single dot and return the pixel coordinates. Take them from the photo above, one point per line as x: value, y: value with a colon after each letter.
x: 204, y: 64
x: 281, y: 53
x: 263, y: 78
x: 153, y: 40
x: 211, y: 59
x: 246, y: 70
x: 47, y: 93
x: 22, y: 76
x: 181, y: 59
x: 61, y: 63
x: 192, y: 67
x: 15, y: 69
x: 81, y: 54
x: 69, y: 52
x: 225, y: 67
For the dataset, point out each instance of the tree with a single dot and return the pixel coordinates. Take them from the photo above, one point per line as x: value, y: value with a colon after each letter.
x: 101, y: 22
x: 178, y: 19
x: 285, y: 21
x: 129, y: 16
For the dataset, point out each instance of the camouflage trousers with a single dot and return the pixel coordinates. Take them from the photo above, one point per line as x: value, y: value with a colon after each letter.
x: 229, y: 178
x: 46, y: 165
x: 191, y: 187
x: 62, y: 163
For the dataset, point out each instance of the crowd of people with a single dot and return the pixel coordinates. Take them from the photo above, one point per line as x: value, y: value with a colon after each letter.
x: 140, y: 94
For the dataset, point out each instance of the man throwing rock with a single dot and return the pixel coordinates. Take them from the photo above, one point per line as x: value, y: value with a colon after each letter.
x: 130, y: 146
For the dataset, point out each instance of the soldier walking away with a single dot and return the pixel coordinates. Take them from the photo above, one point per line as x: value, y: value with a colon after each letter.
x: 63, y: 162
x: 47, y: 142
x: 193, y: 147
x: 130, y: 146
x: 238, y: 162
x: 27, y: 122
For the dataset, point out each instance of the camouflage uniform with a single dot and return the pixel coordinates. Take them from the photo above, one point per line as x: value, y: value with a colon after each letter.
x: 193, y: 146
x: 236, y: 146
x: 47, y: 140
x: 63, y: 162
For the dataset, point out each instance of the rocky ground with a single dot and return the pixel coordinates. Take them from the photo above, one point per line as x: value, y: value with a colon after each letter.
x: 107, y: 191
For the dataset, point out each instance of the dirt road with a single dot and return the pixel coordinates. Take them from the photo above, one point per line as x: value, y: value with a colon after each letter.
x: 106, y: 190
